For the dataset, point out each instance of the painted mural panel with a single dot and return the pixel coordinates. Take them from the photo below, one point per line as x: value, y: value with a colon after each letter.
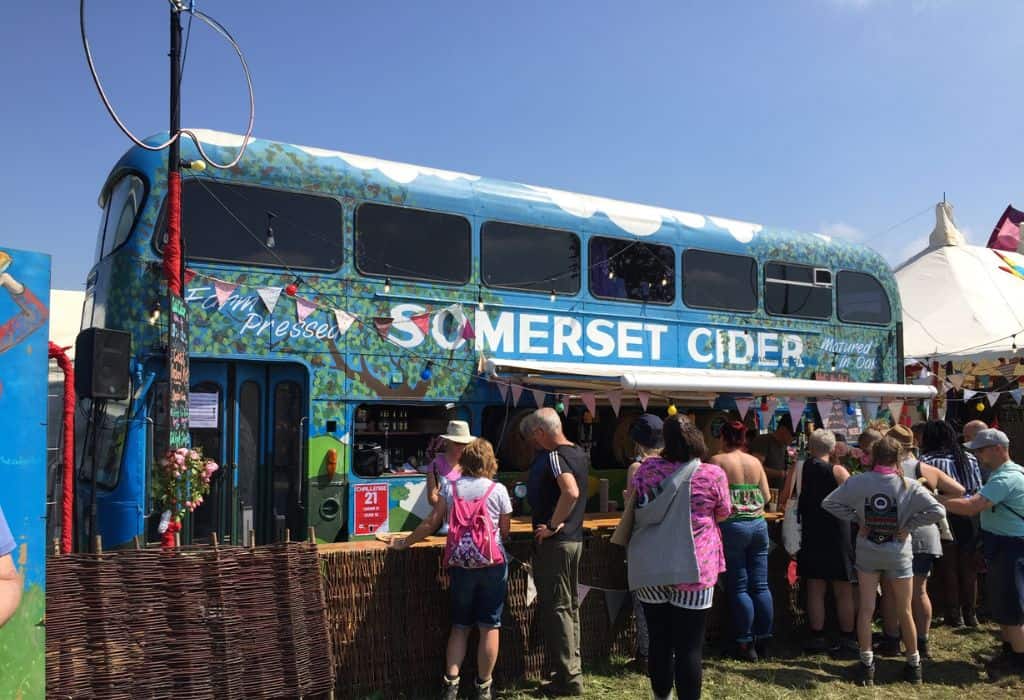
x: 24, y: 364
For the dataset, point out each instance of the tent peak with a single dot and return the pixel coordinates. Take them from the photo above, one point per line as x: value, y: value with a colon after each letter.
x: 945, y: 231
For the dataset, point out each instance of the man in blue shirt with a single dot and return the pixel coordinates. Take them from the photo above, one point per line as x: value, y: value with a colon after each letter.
x: 1001, y: 505
x: 10, y: 581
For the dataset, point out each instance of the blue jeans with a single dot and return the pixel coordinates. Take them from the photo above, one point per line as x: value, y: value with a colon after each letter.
x: 746, y: 578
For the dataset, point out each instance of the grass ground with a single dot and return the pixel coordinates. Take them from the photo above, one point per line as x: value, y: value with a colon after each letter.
x: 956, y: 671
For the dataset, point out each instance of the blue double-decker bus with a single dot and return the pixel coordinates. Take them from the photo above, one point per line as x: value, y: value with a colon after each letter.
x: 342, y: 309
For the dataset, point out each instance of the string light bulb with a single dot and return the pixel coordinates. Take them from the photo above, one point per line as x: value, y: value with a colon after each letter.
x: 270, y: 229
x: 428, y: 372
x: 611, y: 274
x: 560, y: 406
x: 664, y: 281
x: 154, y: 312
x: 1013, y: 343
x: 480, y: 300
x: 387, y: 285
x: 553, y: 295
x: 672, y: 410
x: 980, y: 406
x: 834, y: 357
x: 292, y: 288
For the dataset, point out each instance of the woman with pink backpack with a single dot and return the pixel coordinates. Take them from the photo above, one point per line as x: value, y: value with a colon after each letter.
x: 479, y: 515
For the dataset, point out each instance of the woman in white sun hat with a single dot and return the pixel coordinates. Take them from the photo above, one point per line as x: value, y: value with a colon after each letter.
x: 446, y: 464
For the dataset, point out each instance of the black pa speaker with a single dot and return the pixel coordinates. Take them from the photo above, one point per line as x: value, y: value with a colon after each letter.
x: 101, y: 364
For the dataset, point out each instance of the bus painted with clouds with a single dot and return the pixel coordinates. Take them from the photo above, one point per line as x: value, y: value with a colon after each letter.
x: 343, y: 308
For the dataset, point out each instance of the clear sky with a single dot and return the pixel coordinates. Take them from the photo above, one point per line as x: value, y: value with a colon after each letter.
x: 841, y: 116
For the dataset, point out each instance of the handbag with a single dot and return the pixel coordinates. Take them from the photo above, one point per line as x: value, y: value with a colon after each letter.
x: 624, y: 530
x: 791, y: 530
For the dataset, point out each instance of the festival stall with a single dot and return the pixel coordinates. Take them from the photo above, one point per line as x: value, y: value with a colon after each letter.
x: 963, y: 316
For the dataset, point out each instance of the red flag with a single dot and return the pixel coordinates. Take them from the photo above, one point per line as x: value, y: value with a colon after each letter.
x: 189, y: 275
x: 422, y: 322
x: 1006, y: 234
x: 467, y: 331
x: 383, y: 325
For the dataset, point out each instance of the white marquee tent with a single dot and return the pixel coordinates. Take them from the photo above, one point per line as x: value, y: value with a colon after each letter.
x: 961, y: 301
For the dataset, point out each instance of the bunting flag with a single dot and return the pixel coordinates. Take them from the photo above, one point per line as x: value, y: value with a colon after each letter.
x: 614, y: 601
x: 517, y: 391
x: 565, y: 399
x: 223, y: 290
x: 303, y: 308
x: 1017, y: 394
x: 269, y: 296
x: 870, y: 410
x: 422, y: 321
x: 743, y: 405
x: 581, y: 592
x: 467, y: 330
x: 344, y: 320
x: 644, y: 397
x: 615, y: 399
x: 531, y: 589
x: 590, y: 401
x: 896, y: 409
x: 457, y: 313
x: 538, y: 397
x: 189, y: 275
x: 502, y: 389
x: 968, y: 394
x: 993, y: 398
x: 796, y: 411
x: 383, y: 325
x: 957, y: 380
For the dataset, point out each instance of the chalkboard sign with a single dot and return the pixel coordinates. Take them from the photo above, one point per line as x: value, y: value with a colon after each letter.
x: 177, y: 357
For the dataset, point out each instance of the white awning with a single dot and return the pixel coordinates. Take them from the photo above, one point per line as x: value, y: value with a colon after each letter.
x: 699, y: 382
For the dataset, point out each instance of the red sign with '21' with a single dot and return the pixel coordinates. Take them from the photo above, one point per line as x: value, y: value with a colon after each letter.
x: 371, y: 508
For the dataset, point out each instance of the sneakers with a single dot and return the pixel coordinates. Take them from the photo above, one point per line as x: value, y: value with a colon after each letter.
x: 745, y: 651
x: 970, y: 617
x: 955, y: 619
x: 450, y: 688
x: 912, y: 674
x: 922, y: 648
x: 483, y: 690
x: 862, y: 674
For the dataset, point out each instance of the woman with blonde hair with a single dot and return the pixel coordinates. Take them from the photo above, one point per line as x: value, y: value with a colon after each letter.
x: 479, y: 518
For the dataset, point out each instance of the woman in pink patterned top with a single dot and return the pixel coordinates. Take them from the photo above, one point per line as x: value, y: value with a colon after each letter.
x: 675, y: 554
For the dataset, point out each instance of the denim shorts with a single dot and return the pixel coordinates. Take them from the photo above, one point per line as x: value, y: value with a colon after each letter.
x: 1005, y: 579
x: 478, y: 595
x: 923, y: 564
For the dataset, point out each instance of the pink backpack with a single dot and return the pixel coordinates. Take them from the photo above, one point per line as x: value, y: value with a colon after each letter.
x: 471, y: 542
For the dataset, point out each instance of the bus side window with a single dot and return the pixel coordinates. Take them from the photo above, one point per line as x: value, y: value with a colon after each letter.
x: 799, y: 291
x: 623, y: 269
x: 529, y: 258
x: 860, y: 298
x: 719, y: 281
x: 412, y: 244
x: 121, y: 209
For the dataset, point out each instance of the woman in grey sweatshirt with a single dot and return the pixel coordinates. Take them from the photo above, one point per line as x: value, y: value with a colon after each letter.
x: 887, y: 506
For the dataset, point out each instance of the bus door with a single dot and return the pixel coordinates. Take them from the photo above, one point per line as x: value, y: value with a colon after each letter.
x: 259, y: 437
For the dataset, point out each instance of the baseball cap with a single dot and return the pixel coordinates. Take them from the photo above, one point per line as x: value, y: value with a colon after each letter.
x: 646, y: 430
x: 988, y: 438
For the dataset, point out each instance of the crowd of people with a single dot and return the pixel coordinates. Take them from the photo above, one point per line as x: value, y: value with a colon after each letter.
x: 921, y: 502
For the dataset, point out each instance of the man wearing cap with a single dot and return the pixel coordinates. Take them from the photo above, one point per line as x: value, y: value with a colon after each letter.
x: 1001, y: 505
x: 10, y: 581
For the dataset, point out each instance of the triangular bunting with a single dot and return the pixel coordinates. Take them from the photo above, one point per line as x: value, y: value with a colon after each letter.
x: 581, y: 592
x: 895, y: 409
x: 269, y: 296
x: 993, y: 398
x: 383, y: 325
x: 742, y: 406
x: 796, y: 411
x: 613, y: 601
x: 531, y: 589
x: 644, y: 397
x: 344, y: 320
x: 303, y: 308
x: 467, y: 331
x: 457, y: 313
x: 502, y: 389
x: 189, y: 275
x: 968, y: 394
x: 538, y: 397
x: 422, y: 321
x: 1017, y: 394
x: 517, y: 391
x: 957, y: 380
x: 590, y: 401
x: 869, y: 409
x: 223, y: 290
x: 615, y: 399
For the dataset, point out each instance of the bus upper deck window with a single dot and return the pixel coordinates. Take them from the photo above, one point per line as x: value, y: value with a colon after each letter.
x: 412, y: 244
x: 719, y: 281
x: 529, y: 258
x: 624, y: 269
x: 797, y: 290
x: 860, y: 298
x: 120, y: 210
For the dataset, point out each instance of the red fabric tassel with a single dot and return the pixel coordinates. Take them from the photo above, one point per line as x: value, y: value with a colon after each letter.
x: 68, y: 425
x: 172, y: 251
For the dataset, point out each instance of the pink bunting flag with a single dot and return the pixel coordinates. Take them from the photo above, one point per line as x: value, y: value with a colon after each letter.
x: 383, y: 325
x: 269, y: 296
x: 957, y: 380
x: 538, y: 397
x: 615, y: 399
x: 796, y: 411
x: 993, y: 398
x: 502, y: 388
x: 223, y: 290
x: 581, y: 592
x: 344, y: 320
x: 467, y: 330
x: 422, y: 321
x: 644, y: 397
x: 303, y: 308
x: 896, y: 409
x: 590, y: 401
x: 517, y: 391
x: 742, y: 406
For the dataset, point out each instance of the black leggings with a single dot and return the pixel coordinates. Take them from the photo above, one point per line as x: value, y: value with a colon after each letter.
x: 675, y: 632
